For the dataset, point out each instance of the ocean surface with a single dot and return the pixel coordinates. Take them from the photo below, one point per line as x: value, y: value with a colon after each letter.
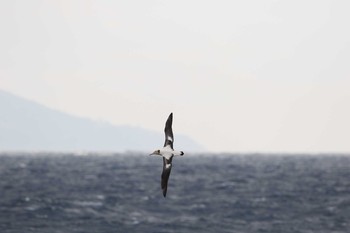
x: 63, y: 193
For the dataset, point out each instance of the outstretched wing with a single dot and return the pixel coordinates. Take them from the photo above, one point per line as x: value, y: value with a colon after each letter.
x: 169, y: 138
x: 166, y: 174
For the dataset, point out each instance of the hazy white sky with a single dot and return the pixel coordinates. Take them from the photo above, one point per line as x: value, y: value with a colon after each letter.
x: 240, y: 76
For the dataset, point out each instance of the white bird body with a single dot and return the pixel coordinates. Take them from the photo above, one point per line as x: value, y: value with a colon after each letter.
x: 167, y: 152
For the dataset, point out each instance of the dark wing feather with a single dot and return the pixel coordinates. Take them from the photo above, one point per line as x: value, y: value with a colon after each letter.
x: 166, y: 174
x: 169, y: 138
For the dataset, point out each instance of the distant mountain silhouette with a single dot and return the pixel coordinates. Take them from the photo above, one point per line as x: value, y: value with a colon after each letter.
x: 26, y: 125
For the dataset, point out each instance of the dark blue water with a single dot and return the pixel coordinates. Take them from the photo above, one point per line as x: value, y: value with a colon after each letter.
x: 58, y: 193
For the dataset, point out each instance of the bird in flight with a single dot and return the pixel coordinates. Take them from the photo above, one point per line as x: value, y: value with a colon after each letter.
x: 167, y: 152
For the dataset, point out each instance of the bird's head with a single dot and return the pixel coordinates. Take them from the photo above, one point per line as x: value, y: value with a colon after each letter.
x: 156, y: 152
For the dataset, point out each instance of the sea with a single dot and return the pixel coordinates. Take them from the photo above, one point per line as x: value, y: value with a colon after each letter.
x: 120, y: 192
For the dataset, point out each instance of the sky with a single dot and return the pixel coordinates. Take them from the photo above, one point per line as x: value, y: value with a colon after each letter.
x: 239, y: 76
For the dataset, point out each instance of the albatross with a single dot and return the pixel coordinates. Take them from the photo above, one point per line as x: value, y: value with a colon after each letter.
x: 167, y: 152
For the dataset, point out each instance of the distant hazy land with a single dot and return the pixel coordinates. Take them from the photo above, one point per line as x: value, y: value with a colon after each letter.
x: 26, y: 125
